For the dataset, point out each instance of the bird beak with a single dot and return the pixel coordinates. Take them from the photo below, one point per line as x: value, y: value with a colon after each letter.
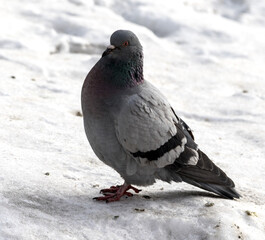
x: 109, y: 49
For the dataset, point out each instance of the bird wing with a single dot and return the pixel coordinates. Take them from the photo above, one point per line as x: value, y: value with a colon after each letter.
x: 153, y: 135
x: 185, y: 126
x: 150, y: 131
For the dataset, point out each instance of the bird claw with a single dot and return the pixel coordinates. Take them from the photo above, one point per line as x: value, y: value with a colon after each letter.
x: 114, y: 193
x: 112, y: 189
x: 136, y: 190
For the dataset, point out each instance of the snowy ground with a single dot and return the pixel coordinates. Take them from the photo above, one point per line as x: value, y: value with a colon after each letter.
x: 206, y: 56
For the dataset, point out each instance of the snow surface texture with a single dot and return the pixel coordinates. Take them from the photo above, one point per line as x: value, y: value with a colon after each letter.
x: 206, y: 56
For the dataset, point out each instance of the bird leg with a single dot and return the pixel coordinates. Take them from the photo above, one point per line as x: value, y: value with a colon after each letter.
x: 114, y: 193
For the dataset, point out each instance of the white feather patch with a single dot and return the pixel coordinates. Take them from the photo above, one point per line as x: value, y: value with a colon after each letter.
x: 194, y: 159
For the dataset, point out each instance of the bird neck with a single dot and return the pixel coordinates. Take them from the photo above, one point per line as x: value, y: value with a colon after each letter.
x: 124, y: 74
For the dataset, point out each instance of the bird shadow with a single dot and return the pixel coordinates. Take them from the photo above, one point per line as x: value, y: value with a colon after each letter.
x: 81, y: 207
x: 182, y: 195
x: 59, y: 211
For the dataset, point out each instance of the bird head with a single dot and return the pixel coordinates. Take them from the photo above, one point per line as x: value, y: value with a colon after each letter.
x: 124, y: 44
x: 123, y: 60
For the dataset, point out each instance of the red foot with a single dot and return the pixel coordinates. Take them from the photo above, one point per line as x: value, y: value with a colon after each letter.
x: 114, y: 193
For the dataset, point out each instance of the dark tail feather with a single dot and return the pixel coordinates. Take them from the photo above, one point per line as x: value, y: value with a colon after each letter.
x: 223, y: 191
x: 208, y: 176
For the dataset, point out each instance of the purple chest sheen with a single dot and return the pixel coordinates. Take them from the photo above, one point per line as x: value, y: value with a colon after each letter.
x: 99, y: 91
x: 109, y: 79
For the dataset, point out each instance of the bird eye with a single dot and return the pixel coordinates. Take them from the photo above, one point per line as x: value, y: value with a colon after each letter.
x: 125, y: 44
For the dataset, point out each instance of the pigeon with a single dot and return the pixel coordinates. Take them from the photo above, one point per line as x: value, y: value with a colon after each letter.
x: 132, y: 128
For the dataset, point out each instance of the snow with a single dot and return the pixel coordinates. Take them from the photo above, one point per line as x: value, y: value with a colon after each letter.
x: 207, y: 57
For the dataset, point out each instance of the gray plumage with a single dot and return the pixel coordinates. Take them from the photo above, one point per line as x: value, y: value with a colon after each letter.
x: 132, y: 128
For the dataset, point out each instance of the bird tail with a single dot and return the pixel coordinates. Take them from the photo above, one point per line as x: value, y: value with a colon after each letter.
x: 208, y: 176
